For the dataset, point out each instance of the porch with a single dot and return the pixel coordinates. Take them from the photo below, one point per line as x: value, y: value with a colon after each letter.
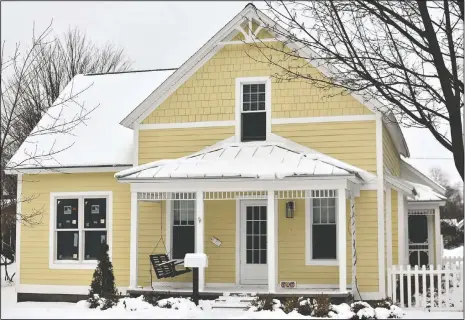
x: 264, y: 184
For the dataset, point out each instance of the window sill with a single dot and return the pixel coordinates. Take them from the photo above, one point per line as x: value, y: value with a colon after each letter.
x: 322, y: 263
x: 77, y: 265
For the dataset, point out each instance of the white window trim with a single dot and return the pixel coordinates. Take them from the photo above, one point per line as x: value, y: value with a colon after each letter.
x: 68, y: 264
x: 308, y: 237
x: 238, y: 103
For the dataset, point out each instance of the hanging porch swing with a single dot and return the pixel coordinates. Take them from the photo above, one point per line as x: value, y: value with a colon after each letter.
x: 161, y: 264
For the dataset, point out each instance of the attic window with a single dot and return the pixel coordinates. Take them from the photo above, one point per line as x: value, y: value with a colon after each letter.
x: 253, y: 110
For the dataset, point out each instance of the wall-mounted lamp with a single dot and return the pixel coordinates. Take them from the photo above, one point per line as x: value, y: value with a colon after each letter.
x: 290, y: 208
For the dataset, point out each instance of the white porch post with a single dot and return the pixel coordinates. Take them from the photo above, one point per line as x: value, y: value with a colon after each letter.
x: 133, y: 241
x: 388, y: 227
x: 437, y: 235
x: 272, y: 240
x: 353, y: 241
x: 400, y: 228
x: 199, y: 234
x: 341, y: 239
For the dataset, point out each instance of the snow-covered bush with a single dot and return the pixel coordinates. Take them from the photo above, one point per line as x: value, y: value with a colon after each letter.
x: 291, y: 304
x: 103, y: 293
x: 264, y: 302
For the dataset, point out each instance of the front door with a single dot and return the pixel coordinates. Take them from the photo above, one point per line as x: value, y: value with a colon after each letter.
x: 418, y: 239
x: 253, y: 257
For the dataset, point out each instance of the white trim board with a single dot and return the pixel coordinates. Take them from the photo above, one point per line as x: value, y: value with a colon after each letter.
x: 19, y: 191
x: 81, y: 263
x: 83, y: 169
x: 380, y: 206
x: 274, y: 121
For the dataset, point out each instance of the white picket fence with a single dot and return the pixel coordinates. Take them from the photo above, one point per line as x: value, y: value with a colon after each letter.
x: 418, y: 287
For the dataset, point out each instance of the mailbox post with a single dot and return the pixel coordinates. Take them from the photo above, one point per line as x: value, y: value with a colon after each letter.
x: 195, y: 261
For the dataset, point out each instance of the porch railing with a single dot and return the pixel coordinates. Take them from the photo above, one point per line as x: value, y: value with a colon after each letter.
x: 429, y: 287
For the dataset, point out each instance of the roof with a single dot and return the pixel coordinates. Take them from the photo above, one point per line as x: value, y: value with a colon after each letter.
x: 425, y: 193
x: 411, y: 173
x: 276, y: 158
x: 98, y: 140
x: 209, y: 49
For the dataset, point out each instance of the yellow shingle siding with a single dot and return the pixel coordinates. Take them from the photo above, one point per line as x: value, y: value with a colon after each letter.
x: 174, y: 143
x: 391, y: 157
x: 209, y: 94
x: 352, y: 142
x: 34, y: 264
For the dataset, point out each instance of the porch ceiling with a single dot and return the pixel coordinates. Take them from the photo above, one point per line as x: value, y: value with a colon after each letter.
x: 269, y: 160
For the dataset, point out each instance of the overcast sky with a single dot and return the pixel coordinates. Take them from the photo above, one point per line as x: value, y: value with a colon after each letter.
x: 164, y: 35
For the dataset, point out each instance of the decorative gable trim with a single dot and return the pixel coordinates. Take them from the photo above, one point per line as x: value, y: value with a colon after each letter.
x: 217, y: 42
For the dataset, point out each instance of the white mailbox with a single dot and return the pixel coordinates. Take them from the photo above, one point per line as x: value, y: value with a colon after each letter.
x: 196, y: 260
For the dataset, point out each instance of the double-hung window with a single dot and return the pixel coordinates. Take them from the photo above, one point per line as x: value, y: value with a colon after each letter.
x: 79, y: 226
x: 253, y: 109
x: 322, y: 228
x: 183, y: 228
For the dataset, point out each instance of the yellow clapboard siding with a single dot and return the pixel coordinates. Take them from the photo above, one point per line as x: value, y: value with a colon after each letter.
x: 351, y: 142
x: 152, y: 146
x: 208, y: 95
x: 220, y: 222
x: 391, y: 157
x: 35, y: 241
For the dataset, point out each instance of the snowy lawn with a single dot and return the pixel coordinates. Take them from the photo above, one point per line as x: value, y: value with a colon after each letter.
x: 138, y: 309
x: 456, y: 252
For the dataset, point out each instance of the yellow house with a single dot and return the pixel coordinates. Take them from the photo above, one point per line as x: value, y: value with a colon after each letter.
x: 286, y: 190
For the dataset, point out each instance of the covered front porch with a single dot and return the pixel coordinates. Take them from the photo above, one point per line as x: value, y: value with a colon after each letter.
x: 267, y: 201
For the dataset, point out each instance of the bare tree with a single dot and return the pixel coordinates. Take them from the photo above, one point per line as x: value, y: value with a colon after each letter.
x: 34, y: 83
x: 406, y: 54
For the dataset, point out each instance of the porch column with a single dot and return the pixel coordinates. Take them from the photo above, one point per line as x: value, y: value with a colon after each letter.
x: 388, y: 227
x: 401, y: 228
x: 272, y: 240
x: 437, y: 235
x: 133, y: 241
x: 341, y: 239
x: 199, y: 234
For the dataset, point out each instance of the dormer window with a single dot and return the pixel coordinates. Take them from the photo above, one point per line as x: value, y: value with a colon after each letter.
x: 252, y: 109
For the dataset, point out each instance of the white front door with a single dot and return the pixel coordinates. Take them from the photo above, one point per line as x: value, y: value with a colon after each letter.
x: 253, y: 257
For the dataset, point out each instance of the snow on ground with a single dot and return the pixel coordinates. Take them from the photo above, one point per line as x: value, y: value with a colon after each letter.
x: 457, y: 252
x: 139, y: 309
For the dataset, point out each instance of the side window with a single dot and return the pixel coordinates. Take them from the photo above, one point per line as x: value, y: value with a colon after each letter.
x: 80, y: 227
x: 183, y: 233
x: 323, y: 229
x: 253, y: 112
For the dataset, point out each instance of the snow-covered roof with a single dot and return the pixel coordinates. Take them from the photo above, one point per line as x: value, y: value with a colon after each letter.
x: 273, y: 159
x: 99, y: 140
x: 425, y: 193
x: 416, y: 191
x: 409, y: 172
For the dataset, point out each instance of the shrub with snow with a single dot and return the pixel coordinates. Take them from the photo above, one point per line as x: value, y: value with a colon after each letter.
x: 264, y: 302
x: 103, y: 293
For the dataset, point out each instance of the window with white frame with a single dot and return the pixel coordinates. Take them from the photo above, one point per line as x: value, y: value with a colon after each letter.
x: 253, y: 111
x: 80, y: 227
x: 322, y: 227
x: 183, y: 228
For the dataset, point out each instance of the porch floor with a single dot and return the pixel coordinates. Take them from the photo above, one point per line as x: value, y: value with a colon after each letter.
x: 211, y: 292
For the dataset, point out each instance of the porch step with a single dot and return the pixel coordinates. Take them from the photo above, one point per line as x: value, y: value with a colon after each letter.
x: 232, y: 302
